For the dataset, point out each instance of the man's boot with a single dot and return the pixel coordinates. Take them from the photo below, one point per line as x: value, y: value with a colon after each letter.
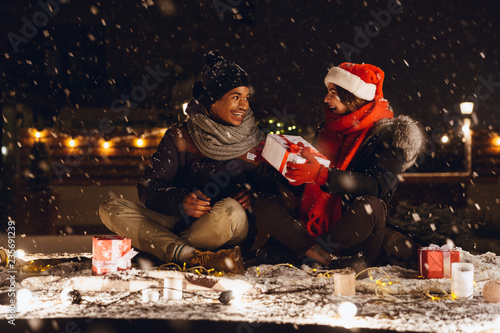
x: 223, y: 260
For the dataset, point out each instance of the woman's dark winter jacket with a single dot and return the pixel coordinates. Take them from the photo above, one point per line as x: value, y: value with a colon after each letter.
x: 390, y: 148
x: 178, y: 168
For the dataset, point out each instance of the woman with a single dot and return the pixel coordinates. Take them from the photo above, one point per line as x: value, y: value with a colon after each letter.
x: 344, y: 207
x: 194, y: 192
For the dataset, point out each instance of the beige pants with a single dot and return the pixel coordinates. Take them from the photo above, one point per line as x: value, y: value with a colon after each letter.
x: 224, y: 226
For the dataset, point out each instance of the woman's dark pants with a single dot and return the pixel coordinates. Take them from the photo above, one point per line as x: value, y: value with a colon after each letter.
x: 360, y: 229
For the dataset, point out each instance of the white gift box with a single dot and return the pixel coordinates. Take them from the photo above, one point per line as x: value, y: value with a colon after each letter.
x: 280, y: 149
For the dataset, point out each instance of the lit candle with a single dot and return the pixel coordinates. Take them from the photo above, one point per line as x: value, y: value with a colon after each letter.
x: 172, y: 288
x: 344, y: 283
x: 462, y: 280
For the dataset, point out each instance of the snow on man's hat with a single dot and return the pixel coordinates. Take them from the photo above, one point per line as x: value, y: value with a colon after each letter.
x: 218, y: 77
x: 363, y: 80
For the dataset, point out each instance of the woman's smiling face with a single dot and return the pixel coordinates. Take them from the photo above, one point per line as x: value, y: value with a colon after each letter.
x: 333, y: 101
x: 232, y: 107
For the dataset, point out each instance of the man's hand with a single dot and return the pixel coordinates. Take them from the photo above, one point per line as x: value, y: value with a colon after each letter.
x: 196, y: 204
x: 310, y: 172
x: 244, y: 197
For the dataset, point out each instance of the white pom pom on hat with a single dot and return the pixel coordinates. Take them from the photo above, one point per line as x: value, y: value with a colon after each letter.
x: 362, y: 80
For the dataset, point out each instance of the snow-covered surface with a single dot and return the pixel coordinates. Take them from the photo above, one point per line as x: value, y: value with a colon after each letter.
x: 280, y: 294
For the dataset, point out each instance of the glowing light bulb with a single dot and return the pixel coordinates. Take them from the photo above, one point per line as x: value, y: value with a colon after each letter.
x: 347, y: 310
x: 496, y: 141
x: 445, y: 139
x: 71, y: 143
x: 466, y: 129
x: 65, y: 294
x: 139, y: 143
x: 19, y: 254
x: 24, y: 297
x: 71, y: 296
x: 234, y: 292
x: 105, y: 145
x: 38, y: 135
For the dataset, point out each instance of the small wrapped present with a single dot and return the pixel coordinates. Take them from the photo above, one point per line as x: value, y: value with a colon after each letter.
x: 280, y: 149
x: 434, y: 262
x: 111, y: 254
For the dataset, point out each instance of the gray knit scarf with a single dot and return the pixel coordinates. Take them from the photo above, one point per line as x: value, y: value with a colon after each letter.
x: 223, y: 142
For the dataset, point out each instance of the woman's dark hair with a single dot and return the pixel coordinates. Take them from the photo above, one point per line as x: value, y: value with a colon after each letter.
x: 353, y: 102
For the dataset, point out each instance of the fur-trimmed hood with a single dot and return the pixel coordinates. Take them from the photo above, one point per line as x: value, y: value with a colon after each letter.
x: 407, y: 136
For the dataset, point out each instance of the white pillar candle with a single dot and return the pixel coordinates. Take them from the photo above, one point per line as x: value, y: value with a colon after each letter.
x: 172, y: 288
x: 462, y: 280
x: 344, y: 283
x: 150, y: 295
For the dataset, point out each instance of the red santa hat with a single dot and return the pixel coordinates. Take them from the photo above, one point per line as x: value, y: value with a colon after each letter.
x: 363, y: 80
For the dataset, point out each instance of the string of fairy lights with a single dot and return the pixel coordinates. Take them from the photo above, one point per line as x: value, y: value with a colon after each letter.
x: 148, y: 139
x: 152, y: 139
x: 64, y: 140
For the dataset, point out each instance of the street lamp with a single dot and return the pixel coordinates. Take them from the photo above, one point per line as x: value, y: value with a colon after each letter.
x: 466, y: 109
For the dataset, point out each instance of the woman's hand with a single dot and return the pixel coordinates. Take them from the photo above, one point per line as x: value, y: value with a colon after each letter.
x: 196, y: 204
x: 310, y: 172
x: 244, y: 197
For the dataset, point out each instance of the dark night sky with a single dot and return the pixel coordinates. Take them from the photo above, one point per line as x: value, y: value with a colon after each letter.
x: 434, y: 53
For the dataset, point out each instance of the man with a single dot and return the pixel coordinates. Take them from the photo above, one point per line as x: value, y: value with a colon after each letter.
x: 195, y: 191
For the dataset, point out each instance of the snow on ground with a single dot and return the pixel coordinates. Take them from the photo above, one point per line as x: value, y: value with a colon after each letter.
x: 281, y: 294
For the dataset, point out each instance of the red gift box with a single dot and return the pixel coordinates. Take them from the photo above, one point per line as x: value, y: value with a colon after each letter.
x: 280, y: 149
x: 111, y: 254
x: 434, y: 262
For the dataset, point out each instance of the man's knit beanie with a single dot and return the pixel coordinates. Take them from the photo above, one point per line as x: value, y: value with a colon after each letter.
x: 218, y: 77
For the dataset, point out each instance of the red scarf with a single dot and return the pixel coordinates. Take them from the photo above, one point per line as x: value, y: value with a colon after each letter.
x: 339, y: 141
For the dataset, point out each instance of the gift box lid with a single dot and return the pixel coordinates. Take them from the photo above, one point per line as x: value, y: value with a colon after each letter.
x: 109, y: 237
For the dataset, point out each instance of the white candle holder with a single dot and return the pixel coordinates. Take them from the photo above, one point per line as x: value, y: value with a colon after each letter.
x: 344, y: 283
x: 172, y: 288
x: 462, y: 280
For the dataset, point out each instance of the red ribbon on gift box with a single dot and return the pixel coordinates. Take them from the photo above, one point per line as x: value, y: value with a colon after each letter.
x: 110, y: 254
x: 291, y: 148
x: 294, y: 148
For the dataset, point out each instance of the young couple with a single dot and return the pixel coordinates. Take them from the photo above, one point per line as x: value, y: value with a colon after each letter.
x: 206, y: 188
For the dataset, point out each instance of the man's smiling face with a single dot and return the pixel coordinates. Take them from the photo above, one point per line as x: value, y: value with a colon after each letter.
x: 232, y: 107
